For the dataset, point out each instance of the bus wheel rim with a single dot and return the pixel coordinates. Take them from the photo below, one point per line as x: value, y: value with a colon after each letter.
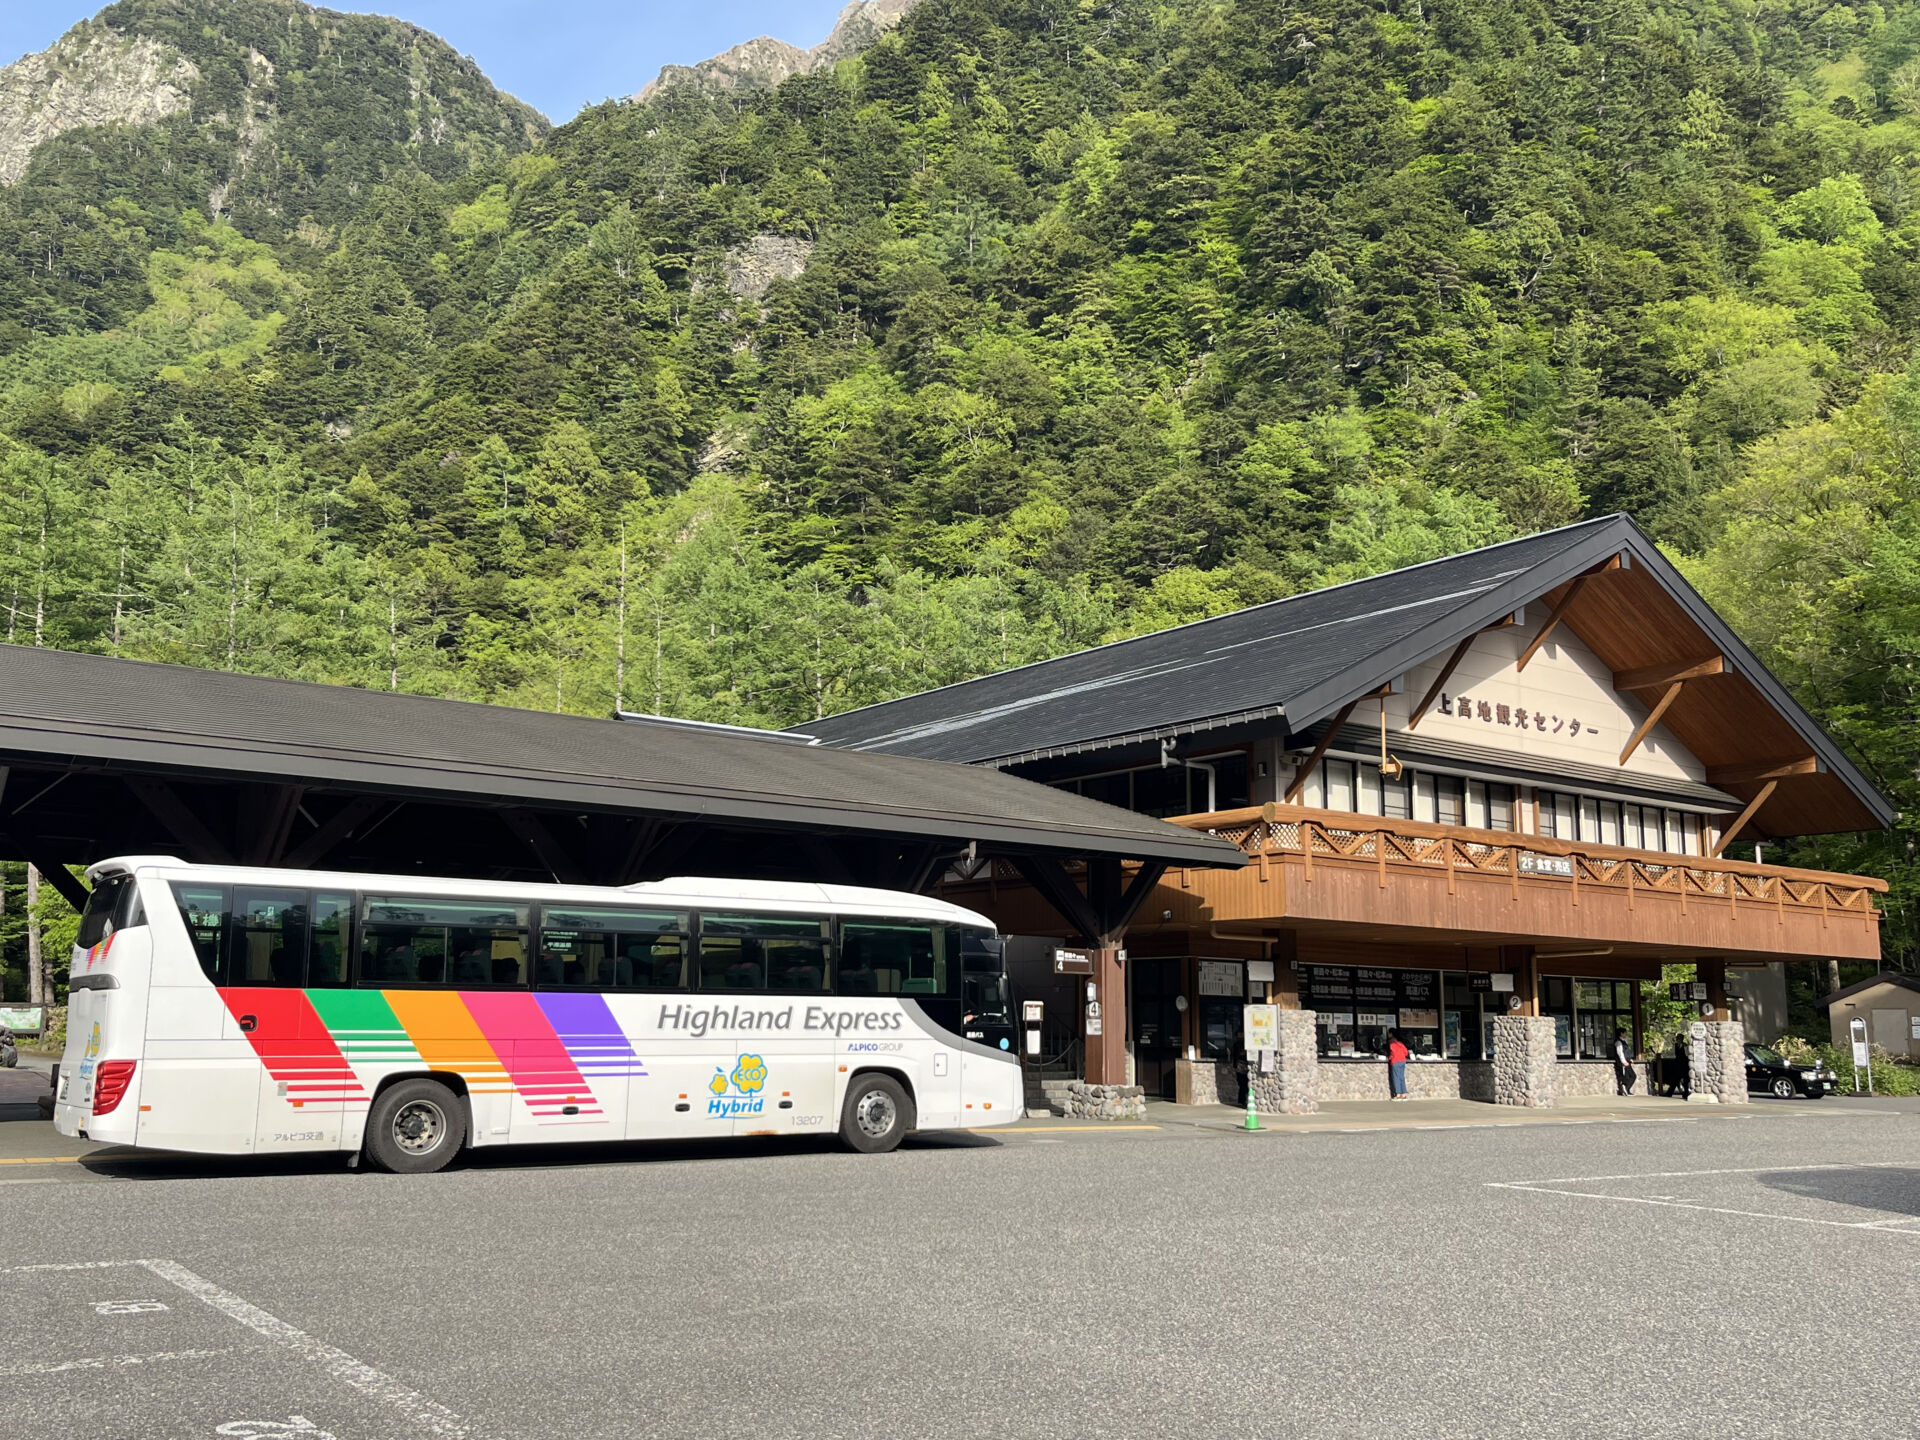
x: 418, y: 1126
x: 875, y: 1113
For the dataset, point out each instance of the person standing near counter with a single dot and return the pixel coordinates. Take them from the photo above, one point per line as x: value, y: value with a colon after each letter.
x: 1397, y: 1054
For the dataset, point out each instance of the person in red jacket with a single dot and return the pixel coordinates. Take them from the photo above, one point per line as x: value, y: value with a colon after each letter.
x: 1397, y: 1054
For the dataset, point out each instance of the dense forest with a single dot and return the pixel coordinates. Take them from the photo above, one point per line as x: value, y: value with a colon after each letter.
x: 1041, y: 322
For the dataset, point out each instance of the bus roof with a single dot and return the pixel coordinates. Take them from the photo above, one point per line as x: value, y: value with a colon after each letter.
x: 693, y: 892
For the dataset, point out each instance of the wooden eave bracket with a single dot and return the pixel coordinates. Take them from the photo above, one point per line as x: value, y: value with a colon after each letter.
x: 1558, y: 613
x: 1740, y: 821
x: 1753, y: 771
x: 1654, y: 677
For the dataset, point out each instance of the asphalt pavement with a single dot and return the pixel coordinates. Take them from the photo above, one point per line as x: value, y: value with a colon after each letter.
x: 1747, y: 1272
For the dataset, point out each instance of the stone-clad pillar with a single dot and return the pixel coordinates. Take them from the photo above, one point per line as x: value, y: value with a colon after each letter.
x: 1524, y: 1068
x: 1292, y: 1087
x: 1718, y: 1060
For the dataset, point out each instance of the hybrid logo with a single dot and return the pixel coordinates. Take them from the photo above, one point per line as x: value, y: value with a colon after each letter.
x: 743, y: 1096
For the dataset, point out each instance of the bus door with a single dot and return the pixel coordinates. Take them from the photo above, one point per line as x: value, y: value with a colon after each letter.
x: 202, y: 1086
x: 781, y: 1077
x: 905, y: 960
x: 587, y: 1079
x: 286, y: 969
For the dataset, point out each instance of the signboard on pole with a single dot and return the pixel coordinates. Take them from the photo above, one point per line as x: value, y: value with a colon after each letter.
x: 1859, y: 1032
x: 1072, y: 962
x: 1262, y: 1028
x: 24, y: 1019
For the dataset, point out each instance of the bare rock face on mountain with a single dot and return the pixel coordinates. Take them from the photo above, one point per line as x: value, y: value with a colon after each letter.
x: 763, y: 63
x: 91, y: 76
x: 265, y: 112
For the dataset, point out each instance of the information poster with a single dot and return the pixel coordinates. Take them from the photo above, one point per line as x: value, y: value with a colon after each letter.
x: 1223, y: 977
x: 1263, y: 1028
x: 24, y: 1019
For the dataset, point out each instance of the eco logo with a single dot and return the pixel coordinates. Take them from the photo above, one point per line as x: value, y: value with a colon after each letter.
x: 738, y: 1094
x: 93, y: 1041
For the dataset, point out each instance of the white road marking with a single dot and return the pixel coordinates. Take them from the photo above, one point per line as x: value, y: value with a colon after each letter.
x: 433, y: 1418
x: 427, y: 1415
x: 102, y: 1362
x: 1887, y: 1225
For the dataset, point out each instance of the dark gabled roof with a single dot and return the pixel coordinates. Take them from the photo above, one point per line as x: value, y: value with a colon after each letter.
x: 1885, y: 977
x: 124, y: 716
x: 1305, y: 657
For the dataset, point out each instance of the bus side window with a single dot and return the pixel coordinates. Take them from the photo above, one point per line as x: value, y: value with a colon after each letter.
x: 203, y: 910
x: 470, y: 944
x: 327, y: 962
x: 606, y: 949
x: 902, y: 958
x: 740, y: 952
x: 268, y: 940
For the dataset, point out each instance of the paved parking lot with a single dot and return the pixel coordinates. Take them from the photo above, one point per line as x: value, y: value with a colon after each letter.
x: 1747, y: 1274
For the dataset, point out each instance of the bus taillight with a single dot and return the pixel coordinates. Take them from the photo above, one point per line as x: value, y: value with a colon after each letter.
x: 110, y: 1085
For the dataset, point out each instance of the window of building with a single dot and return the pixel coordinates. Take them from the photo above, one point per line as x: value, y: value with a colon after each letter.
x: 1396, y: 796
x: 1340, y: 784
x: 879, y: 957
x: 1368, y: 801
x: 1460, y: 1028
x: 1449, y: 800
x: 747, y: 952
x: 1423, y: 806
x: 1589, y: 819
x: 1602, y: 1007
x: 1355, y: 1007
x: 1610, y: 822
x: 1500, y: 807
x: 469, y: 944
x: 1556, y: 1000
x: 594, y: 948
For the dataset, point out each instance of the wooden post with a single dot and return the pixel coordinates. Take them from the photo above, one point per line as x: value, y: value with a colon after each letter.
x: 1107, y: 1051
x: 1714, y: 974
x: 1518, y: 960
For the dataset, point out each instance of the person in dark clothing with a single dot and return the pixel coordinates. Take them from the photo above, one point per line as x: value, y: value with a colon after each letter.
x: 1397, y: 1053
x: 1623, y: 1076
x: 1680, y: 1069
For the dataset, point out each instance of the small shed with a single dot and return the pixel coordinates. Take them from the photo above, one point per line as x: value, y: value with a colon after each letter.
x: 1889, y: 1003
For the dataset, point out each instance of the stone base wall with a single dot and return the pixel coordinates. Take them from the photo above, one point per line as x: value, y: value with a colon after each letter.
x: 1594, y: 1077
x: 1523, y: 1061
x: 1293, y: 1085
x: 1426, y: 1080
x: 1105, y: 1102
x: 1719, y: 1064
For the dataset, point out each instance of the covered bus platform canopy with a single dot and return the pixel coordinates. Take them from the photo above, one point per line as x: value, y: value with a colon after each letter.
x: 102, y: 757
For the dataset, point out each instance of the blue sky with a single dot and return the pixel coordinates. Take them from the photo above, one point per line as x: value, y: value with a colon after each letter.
x: 557, y: 55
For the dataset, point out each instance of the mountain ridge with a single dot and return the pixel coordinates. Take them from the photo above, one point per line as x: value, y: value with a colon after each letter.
x: 764, y: 62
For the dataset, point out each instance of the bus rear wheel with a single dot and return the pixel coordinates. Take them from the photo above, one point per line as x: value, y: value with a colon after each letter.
x: 415, y: 1128
x: 877, y: 1114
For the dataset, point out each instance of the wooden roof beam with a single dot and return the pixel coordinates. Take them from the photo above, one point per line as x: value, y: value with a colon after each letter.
x: 1558, y: 613
x: 1446, y: 674
x: 1653, y: 718
x: 1756, y: 770
x: 1740, y: 821
x: 1320, y: 750
x: 1652, y: 677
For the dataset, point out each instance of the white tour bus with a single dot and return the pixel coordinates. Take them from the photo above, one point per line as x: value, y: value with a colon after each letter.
x: 238, y: 1011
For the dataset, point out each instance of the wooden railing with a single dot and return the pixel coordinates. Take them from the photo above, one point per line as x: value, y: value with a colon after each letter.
x: 1306, y: 837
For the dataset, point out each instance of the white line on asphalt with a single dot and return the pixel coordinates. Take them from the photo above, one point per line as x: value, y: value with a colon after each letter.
x: 1687, y: 1174
x: 102, y: 1362
x: 73, y: 1265
x: 1879, y: 1225
x: 426, y: 1414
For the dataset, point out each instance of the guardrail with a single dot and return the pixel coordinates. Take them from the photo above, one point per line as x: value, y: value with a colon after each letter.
x: 1297, y: 835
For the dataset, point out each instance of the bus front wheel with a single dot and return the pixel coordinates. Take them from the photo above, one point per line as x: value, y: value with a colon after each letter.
x: 415, y: 1128
x: 877, y: 1115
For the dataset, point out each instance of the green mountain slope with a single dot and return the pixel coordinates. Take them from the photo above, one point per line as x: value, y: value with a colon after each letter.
x: 1038, y: 321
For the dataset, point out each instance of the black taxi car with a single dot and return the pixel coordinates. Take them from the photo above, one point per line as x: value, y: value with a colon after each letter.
x: 1770, y: 1074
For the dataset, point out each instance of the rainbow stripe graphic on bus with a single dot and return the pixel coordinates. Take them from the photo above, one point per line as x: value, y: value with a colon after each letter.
x: 548, y: 1048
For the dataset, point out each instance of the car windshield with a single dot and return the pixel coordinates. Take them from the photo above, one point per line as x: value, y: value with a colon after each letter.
x: 1764, y: 1055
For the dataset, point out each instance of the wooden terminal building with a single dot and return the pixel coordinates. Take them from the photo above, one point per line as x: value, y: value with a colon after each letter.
x: 1494, y: 787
